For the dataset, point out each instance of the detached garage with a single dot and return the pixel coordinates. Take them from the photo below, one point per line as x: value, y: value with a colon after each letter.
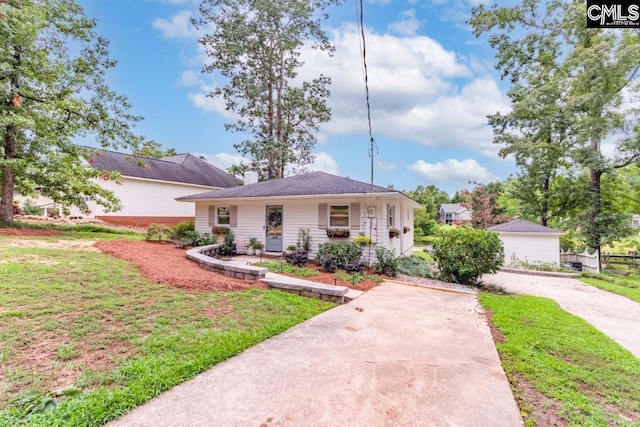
x: 529, y: 242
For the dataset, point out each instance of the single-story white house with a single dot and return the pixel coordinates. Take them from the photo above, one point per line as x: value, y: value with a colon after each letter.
x: 147, y: 193
x: 454, y: 212
x: 527, y: 241
x: 274, y: 211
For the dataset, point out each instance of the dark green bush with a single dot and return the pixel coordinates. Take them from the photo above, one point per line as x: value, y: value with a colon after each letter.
x: 464, y: 254
x: 298, y: 257
x: 343, y: 252
x: 228, y: 246
x: 327, y: 263
x: 414, y: 266
x: 181, y: 228
x: 386, y: 261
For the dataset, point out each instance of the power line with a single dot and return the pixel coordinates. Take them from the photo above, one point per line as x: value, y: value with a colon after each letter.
x: 363, y: 53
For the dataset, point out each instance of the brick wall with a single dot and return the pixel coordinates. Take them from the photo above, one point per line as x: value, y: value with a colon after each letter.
x: 143, y: 221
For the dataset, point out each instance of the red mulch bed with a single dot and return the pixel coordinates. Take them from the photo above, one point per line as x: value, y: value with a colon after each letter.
x: 28, y: 232
x: 166, y: 264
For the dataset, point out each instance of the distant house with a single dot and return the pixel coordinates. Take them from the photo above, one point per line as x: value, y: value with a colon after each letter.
x: 453, y: 212
x: 333, y: 208
x: 147, y: 194
x: 527, y: 241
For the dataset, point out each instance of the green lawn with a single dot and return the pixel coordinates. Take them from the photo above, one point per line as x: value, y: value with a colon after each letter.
x: 628, y: 286
x: 587, y: 378
x: 91, y: 320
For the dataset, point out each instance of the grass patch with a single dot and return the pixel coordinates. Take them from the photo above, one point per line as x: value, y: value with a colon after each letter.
x: 424, y: 255
x: 628, y: 286
x: 283, y: 267
x: 119, y: 337
x: 588, y: 378
x: 425, y: 240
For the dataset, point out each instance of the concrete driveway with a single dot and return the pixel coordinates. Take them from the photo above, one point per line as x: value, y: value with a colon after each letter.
x: 615, y: 315
x: 397, y: 356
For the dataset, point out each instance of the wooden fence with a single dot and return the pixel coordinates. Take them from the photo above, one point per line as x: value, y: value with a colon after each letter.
x: 589, y: 261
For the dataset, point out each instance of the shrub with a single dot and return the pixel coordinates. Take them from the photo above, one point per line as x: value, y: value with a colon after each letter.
x: 415, y: 266
x: 355, y: 267
x: 17, y: 210
x: 299, y: 257
x: 304, y: 239
x: 464, y: 254
x: 158, y: 230
x: 343, y: 252
x: 228, y: 246
x: 386, y: 261
x: 194, y: 238
x: 181, y: 228
x: 327, y: 263
x: 292, y: 248
x: 29, y: 208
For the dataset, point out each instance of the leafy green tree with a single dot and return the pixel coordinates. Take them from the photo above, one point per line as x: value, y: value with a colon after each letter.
x: 545, y: 48
x: 431, y: 197
x: 154, y: 150
x: 464, y: 254
x: 52, y: 68
x: 255, y: 45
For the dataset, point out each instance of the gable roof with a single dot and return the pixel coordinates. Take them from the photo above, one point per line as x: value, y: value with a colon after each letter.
x: 522, y: 226
x: 182, y: 168
x: 452, y: 208
x: 309, y: 184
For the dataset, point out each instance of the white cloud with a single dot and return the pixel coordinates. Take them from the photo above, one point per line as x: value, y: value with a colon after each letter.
x: 222, y: 160
x: 386, y: 165
x: 190, y: 78
x: 419, y: 91
x: 407, y: 25
x: 452, y: 171
x: 178, y: 27
x: 323, y: 162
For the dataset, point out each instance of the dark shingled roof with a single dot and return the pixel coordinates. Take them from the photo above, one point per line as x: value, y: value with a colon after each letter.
x: 522, y: 226
x: 182, y: 168
x: 314, y: 183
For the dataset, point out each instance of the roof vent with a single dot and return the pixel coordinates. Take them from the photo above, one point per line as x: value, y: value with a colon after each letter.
x: 250, y: 177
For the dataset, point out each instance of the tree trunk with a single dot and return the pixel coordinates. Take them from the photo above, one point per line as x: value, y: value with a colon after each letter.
x: 544, y: 208
x: 595, y: 176
x: 8, y: 173
x: 8, y: 176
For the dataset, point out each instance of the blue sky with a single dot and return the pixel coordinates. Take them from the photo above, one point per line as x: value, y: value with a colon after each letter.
x: 432, y: 84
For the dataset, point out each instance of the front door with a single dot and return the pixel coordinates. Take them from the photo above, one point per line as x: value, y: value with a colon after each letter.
x: 274, y: 229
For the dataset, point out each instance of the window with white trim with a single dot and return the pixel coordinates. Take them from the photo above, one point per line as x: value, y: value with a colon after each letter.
x: 339, y: 216
x: 391, y: 216
x: 223, y: 215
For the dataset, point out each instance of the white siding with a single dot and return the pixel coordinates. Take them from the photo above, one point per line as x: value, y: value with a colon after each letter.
x: 531, y: 247
x: 303, y: 213
x: 147, y: 198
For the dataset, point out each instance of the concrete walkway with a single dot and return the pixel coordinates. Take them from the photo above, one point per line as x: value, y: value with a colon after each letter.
x: 615, y: 315
x: 397, y: 356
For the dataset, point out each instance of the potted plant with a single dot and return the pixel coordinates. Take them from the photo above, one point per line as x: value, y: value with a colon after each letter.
x: 362, y: 240
x: 338, y: 232
x: 405, y: 230
x: 258, y: 246
x: 393, y: 232
x: 251, y: 246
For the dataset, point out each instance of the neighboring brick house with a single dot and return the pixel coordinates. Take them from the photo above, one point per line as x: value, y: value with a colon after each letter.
x: 147, y: 194
x: 275, y: 211
x: 454, y: 213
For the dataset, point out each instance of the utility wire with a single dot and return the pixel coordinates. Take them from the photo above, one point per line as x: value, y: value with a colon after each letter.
x: 363, y: 53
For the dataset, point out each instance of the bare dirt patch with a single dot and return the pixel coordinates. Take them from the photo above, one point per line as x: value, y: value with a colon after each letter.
x: 166, y: 264
x: 69, y: 245
x: 538, y: 407
x: 29, y: 232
